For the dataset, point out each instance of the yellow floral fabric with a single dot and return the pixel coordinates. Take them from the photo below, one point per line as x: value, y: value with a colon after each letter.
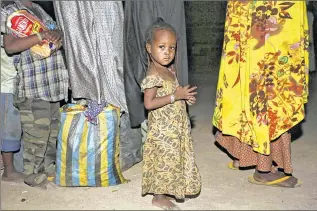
x: 168, y: 158
x: 263, y: 78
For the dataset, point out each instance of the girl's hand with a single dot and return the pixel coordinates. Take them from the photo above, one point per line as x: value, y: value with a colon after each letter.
x: 191, y: 101
x: 185, y: 93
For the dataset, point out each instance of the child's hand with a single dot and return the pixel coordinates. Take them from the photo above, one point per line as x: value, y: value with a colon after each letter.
x: 191, y: 101
x: 52, y: 36
x: 185, y: 93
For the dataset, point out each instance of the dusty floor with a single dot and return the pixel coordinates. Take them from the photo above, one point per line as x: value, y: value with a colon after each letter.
x: 222, y: 188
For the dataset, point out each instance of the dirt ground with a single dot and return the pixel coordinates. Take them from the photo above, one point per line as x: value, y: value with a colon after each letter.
x: 222, y: 188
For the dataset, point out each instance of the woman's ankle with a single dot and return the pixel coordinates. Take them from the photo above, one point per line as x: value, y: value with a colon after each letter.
x: 236, y: 163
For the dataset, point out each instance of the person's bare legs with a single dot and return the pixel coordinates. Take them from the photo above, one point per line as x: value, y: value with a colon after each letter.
x: 9, y: 173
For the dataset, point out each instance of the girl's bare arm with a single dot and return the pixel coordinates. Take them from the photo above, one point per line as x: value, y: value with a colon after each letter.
x: 181, y: 93
x: 152, y: 102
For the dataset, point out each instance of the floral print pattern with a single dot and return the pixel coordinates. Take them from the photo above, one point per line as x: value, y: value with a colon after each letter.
x: 263, y: 79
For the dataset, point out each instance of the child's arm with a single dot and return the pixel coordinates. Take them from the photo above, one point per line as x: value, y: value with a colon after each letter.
x: 152, y: 102
x: 181, y: 93
x: 14, y: 44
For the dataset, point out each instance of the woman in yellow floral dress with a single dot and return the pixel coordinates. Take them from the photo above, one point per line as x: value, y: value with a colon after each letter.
x: 262, y: 86
x: 169, y: 167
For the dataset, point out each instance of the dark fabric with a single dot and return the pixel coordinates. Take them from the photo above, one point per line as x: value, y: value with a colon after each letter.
x: 139, y: 15
x: 48, y: 7
x: 130, y: 143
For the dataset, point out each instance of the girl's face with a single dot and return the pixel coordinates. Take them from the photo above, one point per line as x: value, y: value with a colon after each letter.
x: 163, y: 46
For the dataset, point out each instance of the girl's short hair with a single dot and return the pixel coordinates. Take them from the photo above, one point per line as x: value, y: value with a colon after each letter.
x: 158, y: 24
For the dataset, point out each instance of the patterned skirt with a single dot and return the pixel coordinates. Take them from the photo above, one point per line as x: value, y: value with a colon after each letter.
x: 280, y: 153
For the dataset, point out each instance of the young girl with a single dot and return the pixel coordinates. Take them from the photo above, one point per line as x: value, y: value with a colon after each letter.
x: 169, y: 167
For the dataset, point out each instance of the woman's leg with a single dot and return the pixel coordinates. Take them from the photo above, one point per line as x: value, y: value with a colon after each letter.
x: 264, y: 173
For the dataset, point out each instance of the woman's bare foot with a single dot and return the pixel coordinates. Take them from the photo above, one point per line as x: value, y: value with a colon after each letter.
x: 272, y: 176
x: 236, y: 163
x: 163, y: 202
x: 274, y: 169
x: 12, y: 177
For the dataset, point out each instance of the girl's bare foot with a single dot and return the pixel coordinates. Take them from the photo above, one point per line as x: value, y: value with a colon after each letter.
x: 174, y: 199
x: 163, y: 202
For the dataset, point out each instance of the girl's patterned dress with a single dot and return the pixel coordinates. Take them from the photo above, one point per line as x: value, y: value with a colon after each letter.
x: 168, y: 159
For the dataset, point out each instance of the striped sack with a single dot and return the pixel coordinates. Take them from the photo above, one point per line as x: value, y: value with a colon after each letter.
x: 88, y: 154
